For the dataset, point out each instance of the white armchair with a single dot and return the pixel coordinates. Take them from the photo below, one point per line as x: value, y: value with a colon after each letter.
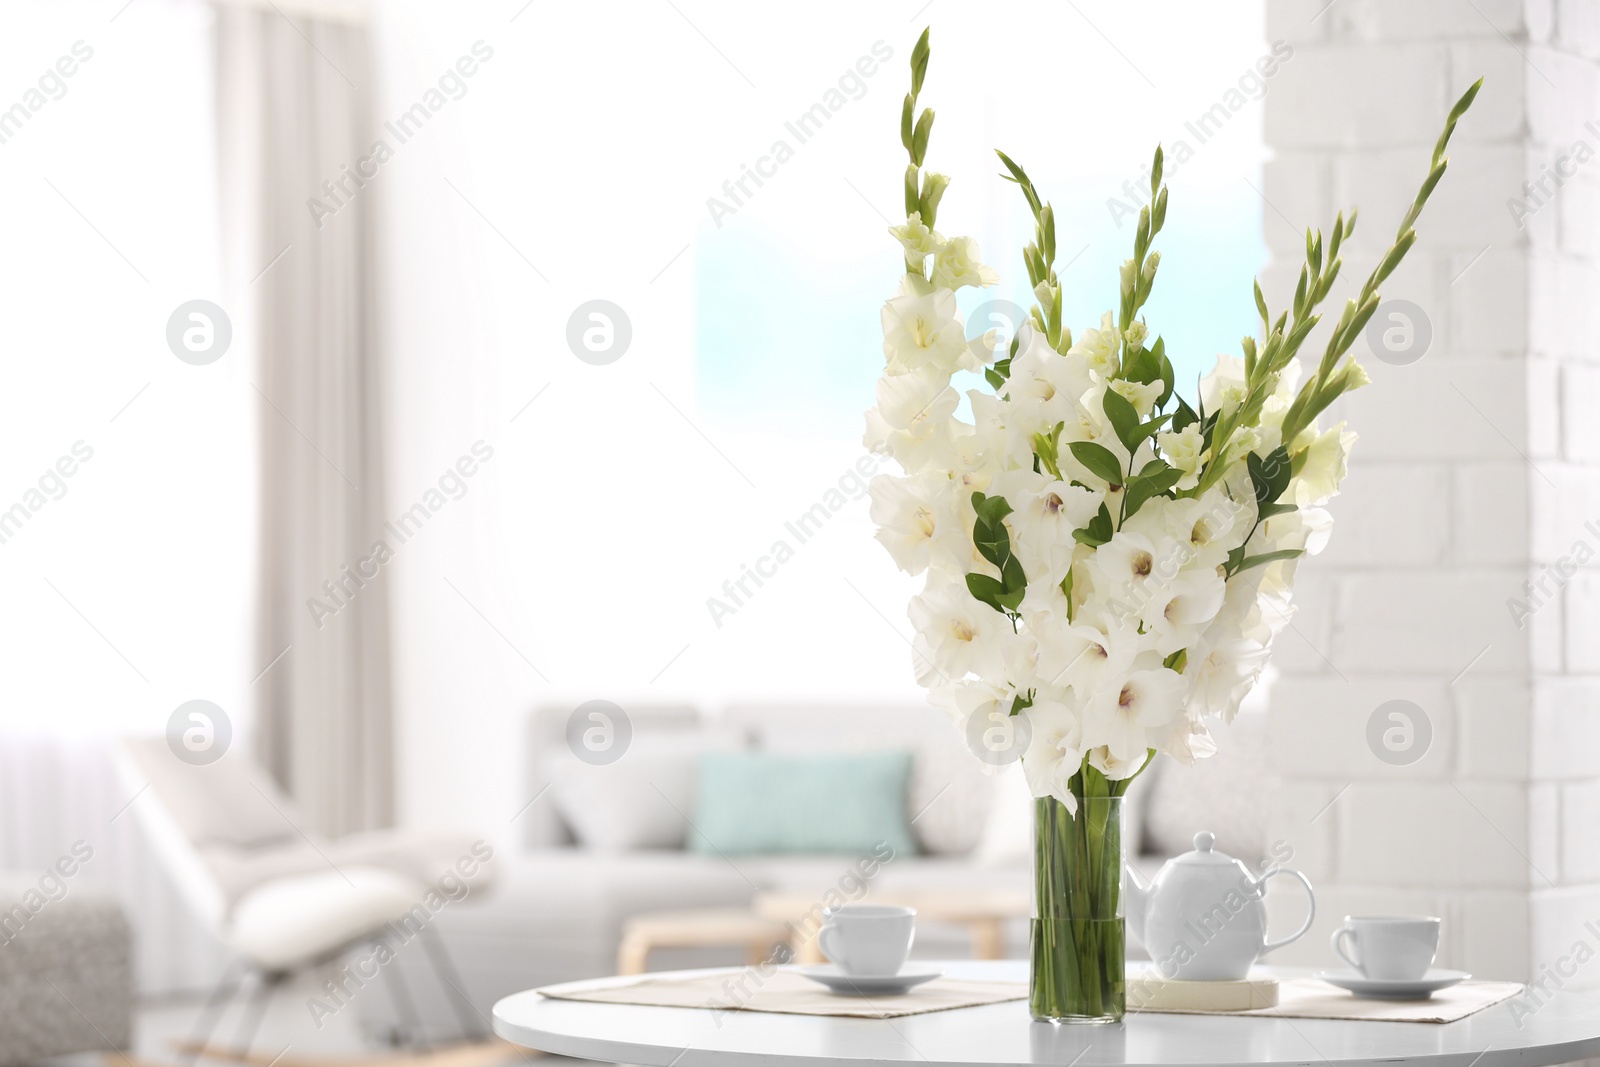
x: 282, y: 898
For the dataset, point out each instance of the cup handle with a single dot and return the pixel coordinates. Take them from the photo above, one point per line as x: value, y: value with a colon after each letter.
x: 1336, y: 942
x: 1311, y: 909
x: 827, y: 941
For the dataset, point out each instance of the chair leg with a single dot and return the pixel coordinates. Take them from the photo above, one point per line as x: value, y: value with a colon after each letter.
x: 216, y: 1003
x: 255, y: 1012
x: 405, y: 1008
x: 443, y: 966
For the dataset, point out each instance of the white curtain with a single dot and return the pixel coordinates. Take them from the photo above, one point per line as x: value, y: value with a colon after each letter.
x: 294, y: 125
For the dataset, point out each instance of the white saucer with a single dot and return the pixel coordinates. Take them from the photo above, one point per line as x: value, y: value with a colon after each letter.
x: 1391, y: 988
x: 862, y: 985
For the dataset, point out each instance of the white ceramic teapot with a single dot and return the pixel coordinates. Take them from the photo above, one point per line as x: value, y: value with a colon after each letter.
x: 1203, y: 917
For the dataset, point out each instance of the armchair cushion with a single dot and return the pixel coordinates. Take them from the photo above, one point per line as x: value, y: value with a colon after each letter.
x: 295, y: 920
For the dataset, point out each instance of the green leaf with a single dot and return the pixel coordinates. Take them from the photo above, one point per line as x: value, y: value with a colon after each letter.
x: 1099, y: 459
x: 997, y: 374
x: 1267, y: 511
x: 1183, y: 417
x: 991, y: 509
x: 1269, y: 476
x: 989, y: 534
x: 1269, y: 557
x: 1177, y: 661
x: 1146, y: 486
x: 1153, y: 427
x: 1124, y: 420
x: 986, y: 590
x: 1145, y: 367
x: 1168, y: 376
x: 1098, y: 532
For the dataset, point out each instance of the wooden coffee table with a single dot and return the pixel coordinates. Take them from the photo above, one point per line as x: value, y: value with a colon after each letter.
x: 697, y: 928
x: 984, y: 912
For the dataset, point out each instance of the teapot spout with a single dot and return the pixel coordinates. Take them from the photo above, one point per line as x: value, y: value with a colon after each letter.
x: 1136, y: 901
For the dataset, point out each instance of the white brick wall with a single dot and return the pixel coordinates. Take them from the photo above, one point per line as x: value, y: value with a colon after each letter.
x: 1476, y: 471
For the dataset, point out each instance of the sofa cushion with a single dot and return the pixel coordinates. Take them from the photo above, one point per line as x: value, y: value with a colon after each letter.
x: 540, y: 824
x: 948, y: 796
x: 643, y: 800
x: 757, y: 802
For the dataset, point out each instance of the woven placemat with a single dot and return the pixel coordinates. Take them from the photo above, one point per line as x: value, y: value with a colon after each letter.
x: 789, y: 992
x: 1312, y: 998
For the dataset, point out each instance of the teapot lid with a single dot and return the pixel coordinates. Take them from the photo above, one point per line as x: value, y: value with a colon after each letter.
x: 1204, y: 855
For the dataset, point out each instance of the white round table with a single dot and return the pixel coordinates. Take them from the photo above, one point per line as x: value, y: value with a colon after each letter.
x: 1567, y: 1028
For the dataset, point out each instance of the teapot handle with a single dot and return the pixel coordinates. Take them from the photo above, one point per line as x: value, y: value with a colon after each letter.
x: 1311, y: 909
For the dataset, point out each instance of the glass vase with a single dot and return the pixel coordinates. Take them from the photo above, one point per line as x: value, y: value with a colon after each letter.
x: 1077, y: 946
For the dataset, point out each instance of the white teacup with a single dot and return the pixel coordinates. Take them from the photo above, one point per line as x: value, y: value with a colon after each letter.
x: 1392, y: 948
x: 867, y: 939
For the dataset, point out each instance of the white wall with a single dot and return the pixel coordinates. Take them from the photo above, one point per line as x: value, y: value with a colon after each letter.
x: 1474, y: 472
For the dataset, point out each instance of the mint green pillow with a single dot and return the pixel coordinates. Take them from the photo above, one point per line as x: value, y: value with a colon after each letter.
x: 755, y: 802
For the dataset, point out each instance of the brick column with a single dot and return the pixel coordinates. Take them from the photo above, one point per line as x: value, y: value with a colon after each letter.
x: 1478, y: 467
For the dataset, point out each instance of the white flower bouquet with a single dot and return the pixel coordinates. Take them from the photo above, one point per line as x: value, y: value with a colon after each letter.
x: 1107, y: 563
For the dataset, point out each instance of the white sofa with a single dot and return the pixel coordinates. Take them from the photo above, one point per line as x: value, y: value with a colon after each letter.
x: 557, y: 910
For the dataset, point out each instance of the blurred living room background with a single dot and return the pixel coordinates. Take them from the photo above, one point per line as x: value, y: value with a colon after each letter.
x: 407, y: 523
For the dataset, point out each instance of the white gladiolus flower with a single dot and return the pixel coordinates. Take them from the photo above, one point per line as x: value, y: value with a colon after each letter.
x: 1047, y: 386
x: 1101, y: 759
x: 1181, y: 608
x: 1125, y: 712
x: 922, y: 331
x: 1045, y: 511
x: 1142, y: 395
x: 912, y: 419
x: 1055, y: 750
x: 1101, y: 349
x: 1084, y: 656
x: 1327, y: 459
x: 964, y: 699
x: 1222, y: 674
x: 1135, y: 334
x: 1186, y: 451
x: 1188, y: 740
x: 956, y: 263
x: 1122, y: 566
x: 918, y: 240
x: 1224, y: 388
x: 956, y: 635
x: 910, y: 513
